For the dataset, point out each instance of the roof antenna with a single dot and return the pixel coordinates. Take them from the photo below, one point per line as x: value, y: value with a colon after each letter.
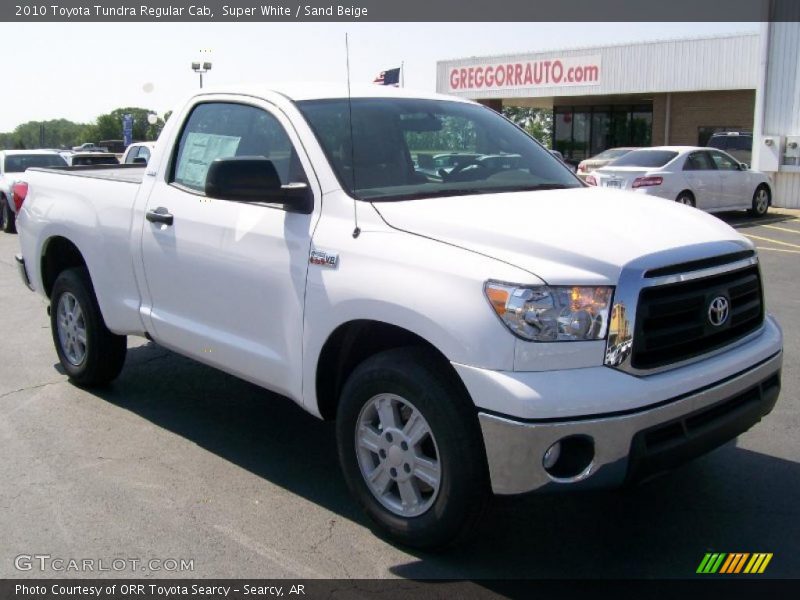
x: 357, y: 230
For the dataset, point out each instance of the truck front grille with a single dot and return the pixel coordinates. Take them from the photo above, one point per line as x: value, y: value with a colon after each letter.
x: 672, y: 322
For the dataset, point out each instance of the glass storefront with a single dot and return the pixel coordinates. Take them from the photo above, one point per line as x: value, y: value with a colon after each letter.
x: 583, y: 131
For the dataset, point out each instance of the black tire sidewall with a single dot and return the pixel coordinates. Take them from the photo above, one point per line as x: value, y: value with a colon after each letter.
x: 453, y: 422
x: 688, y: 197
x: 95, y: 366
x: 753, y: 209
x: 9, y: 225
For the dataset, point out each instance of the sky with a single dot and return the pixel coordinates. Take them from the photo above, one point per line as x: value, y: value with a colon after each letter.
x: 78, y: 71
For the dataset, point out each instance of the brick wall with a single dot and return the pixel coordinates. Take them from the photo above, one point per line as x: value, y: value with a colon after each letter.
x: 691, y: 110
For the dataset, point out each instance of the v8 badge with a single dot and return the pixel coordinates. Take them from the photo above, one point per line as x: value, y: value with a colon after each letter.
x: 324, y: 259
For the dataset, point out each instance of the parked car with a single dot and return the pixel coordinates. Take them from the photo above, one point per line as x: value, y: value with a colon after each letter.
x: 585, y: 167
x: 738, y: 144
x: 82, y: 159
x: 468, y: 335
x: 137, y: 153
x: 113, y: 146
x: 709, y: 179
x: 12, y: 165
x: 439, y: 165
x: 89, y: 147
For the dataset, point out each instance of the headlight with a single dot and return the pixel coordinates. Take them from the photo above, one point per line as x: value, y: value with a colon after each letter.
x: 544, y: 313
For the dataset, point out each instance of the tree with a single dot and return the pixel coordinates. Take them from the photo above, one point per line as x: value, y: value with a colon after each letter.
x: 536, y: 121
x: 109, y: 126
x: 55, y: 133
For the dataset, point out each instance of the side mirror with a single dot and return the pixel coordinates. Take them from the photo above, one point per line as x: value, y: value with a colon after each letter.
x: 744, y: 167
x: 254, y: 179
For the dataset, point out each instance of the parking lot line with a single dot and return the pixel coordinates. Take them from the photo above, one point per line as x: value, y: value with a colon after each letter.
x: 761, y: 222
x: 782, y: 228
x: 778, y: 249
x: 771, y: 241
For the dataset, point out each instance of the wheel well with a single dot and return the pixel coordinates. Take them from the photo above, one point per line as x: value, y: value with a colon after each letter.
x: 60, y: 254
x: 682, y: 192
x: 350, y: 345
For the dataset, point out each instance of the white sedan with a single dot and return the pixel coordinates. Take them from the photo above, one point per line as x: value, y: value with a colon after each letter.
x: 709, y: 179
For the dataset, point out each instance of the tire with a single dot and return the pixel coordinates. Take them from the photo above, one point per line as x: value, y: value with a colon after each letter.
x: 761, y: 201
x: 89, y: 353
x: 686, y: 198
x: 454, y: 488
x: 9, y: 218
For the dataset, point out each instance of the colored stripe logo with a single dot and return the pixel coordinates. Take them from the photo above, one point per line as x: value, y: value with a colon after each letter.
x: 734, y: 563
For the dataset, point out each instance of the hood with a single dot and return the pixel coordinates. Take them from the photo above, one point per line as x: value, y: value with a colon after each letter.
x: 572, y: 236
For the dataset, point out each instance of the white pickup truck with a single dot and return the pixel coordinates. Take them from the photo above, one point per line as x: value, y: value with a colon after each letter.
x: 497, y: 327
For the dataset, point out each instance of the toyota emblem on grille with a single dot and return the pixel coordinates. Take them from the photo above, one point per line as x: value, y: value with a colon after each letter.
x: 718, y: 311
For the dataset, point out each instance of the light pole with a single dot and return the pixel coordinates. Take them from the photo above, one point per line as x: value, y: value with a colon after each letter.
x: 200, y: 68
x: 152, y: 119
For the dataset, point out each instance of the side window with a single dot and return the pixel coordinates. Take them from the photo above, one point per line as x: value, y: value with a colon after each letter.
x: 699, y: 161
x: 221, y: 130
x: 131, y: 155
x: 724, y: 162
x: 742, y: 142
x: 692, y: 162
x: 144, y: 152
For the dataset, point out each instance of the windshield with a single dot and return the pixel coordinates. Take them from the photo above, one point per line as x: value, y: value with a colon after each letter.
x: 645, y: 158
x: 611, y: 153
x: 17, y: 163
x: 410, y: 148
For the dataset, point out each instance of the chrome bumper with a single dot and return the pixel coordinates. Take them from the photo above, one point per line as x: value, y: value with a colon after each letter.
x: 631, y: 445
x: 23, y: 272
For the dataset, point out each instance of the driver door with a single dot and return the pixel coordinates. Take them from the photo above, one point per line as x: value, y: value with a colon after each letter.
x: 226, y: 279
x: 733, y: 181
x: 701, y: 175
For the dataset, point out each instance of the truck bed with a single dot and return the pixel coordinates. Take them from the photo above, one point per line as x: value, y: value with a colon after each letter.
x: 122, y: 173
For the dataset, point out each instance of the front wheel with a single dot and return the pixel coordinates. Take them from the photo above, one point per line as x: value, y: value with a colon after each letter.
x: 685, y: 198
x: 89, y: 353
x: 9, y: 218
x: 411, y: 450
x: 761, y: 201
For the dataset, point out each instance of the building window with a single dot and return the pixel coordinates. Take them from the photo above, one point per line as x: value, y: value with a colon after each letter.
x: 583, y: 131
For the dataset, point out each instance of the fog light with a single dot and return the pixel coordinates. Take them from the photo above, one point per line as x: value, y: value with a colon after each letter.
x: 551, y: 456
x: 570, y: 458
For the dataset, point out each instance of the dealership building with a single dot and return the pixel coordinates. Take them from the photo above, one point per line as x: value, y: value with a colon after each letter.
x: 674, y: 92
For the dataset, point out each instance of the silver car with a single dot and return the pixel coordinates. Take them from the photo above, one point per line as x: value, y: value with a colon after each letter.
x: 12, y: 165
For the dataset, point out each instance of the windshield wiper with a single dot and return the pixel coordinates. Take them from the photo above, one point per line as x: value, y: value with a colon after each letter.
x: 431, y: 194
x: 470, y: 192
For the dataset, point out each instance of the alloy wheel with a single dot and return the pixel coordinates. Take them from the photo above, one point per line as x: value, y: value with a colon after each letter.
x: 398, y: 455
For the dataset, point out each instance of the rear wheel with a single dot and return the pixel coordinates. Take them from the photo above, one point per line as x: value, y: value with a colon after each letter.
x: 9, y: 218
x: 89, y: 353
x: 411, y: 450
x: 685, y: 198
x: 761, y: 201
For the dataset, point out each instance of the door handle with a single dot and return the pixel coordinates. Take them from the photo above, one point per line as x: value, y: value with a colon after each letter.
x: 159, y: 215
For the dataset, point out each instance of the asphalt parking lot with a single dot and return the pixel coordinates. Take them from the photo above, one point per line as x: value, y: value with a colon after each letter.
x: 179, y: 461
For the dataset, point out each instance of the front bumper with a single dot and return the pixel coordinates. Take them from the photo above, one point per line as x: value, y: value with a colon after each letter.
x: 634, y: 444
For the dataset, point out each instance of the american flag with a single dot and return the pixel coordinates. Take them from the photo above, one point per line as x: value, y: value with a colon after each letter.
x: 389, y: 77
